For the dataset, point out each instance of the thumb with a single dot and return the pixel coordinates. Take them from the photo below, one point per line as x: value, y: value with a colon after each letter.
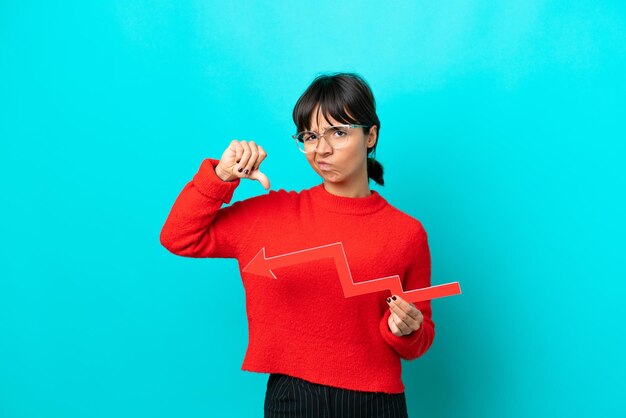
x: 262, y: 178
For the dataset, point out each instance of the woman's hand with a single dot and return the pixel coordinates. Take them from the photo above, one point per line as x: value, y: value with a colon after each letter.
x: 405, y: 317
x: 242, y: 160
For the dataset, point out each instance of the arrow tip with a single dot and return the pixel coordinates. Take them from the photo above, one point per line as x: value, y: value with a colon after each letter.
x: 259, y: 265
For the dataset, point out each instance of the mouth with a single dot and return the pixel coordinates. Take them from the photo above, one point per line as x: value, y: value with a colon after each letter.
x: 323, y: 166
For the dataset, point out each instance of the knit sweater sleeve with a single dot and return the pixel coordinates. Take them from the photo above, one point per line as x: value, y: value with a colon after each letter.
x: 414, y: 345
x: 198, y: 227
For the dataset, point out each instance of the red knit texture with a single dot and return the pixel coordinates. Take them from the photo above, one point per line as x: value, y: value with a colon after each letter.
x: 301, y: 324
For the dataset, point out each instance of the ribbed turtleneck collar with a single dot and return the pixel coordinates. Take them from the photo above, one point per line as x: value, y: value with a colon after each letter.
x: 348, y: 205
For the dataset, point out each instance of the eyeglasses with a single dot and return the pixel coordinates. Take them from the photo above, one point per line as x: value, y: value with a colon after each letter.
x: 336, y: 136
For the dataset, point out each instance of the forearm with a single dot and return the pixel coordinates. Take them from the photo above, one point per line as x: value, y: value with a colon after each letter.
x: 187, y: 230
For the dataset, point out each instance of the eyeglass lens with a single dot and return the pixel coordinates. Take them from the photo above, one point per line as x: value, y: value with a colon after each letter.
x: 336, y: 136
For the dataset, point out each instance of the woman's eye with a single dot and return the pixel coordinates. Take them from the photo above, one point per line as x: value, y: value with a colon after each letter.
x: 340, y: 133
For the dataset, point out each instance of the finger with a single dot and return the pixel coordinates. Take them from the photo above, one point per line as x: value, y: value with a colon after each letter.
x: 237, y: 149
x: 244, y: 157
x: 393, y: 327
x: 402, y: 315
x: 262, y: 178
x: 402, y: 326
x: 252, y: 160
x: 256, y: 172
x: 420, y: 315
x: 229, y: 157
x: 262, y: 155
x: 410, y: 309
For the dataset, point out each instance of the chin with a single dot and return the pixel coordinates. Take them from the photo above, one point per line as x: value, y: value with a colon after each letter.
x: 332, y: 178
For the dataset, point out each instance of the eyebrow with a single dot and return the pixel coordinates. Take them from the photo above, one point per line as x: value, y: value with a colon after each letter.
x: 332, y: 126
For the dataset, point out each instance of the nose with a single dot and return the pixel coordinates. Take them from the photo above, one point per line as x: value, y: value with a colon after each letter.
x: 322, y: 146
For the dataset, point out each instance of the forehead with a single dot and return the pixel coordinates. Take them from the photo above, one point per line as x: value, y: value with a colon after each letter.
x: 319, y: 121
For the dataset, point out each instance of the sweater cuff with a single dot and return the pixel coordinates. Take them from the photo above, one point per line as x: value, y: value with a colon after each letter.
x: 209, y: 184
x: 403, y: 342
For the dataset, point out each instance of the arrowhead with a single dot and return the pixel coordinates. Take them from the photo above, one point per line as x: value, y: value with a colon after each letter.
x: 259, y: 265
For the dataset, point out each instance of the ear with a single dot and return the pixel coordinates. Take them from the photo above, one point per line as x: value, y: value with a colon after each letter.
x: 372, y: 137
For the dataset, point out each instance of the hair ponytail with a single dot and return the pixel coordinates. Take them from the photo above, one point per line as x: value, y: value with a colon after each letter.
x: 375, y: 171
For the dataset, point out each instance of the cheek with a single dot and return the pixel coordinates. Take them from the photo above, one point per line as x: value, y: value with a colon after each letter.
x: 355, y: 157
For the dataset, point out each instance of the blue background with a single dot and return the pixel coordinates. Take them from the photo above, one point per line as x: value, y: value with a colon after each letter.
x: 502, y: 130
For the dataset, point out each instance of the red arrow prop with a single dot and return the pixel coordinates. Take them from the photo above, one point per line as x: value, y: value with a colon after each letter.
x: 263, y: 266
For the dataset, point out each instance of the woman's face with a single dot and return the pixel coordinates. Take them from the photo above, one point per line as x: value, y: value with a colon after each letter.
x: 345, y: 163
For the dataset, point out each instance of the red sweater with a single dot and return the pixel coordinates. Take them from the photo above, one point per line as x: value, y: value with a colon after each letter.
x: 300, y: 323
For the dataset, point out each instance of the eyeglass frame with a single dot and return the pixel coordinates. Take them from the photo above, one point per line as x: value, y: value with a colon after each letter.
x: 323, y: 135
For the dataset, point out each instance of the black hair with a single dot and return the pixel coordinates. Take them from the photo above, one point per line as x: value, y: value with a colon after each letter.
x: 347, y: 98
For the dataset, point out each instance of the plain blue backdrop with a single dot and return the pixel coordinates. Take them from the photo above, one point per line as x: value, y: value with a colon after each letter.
x: 502, y: 131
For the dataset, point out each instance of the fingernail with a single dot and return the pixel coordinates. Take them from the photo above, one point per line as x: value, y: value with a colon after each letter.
x: 239, y: 169
x: 246, y: 171
x: 393, y: 297
x: 238, y: 161
x: 388, y: 300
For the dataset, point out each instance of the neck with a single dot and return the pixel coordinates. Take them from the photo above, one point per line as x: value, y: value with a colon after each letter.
x: 356, y: 189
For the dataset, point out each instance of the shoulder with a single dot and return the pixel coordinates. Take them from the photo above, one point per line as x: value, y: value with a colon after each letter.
x: 283, y: 195
x: 407, y: 223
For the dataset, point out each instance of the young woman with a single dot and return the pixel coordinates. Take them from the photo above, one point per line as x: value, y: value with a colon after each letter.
x: 327, y: 355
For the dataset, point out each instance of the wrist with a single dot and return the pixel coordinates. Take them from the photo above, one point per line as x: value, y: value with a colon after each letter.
x: 222, y: 174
